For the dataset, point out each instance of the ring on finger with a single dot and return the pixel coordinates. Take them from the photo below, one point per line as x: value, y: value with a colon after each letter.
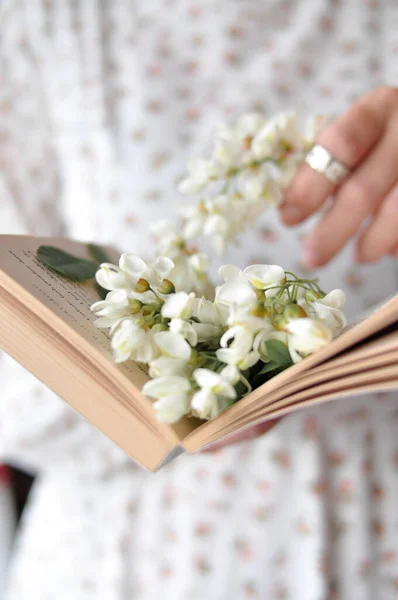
x: 323, y: 161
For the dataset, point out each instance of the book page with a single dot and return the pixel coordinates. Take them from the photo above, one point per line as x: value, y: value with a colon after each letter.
x: 70, y: 300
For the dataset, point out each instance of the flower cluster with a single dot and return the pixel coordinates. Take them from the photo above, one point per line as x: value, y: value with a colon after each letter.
x: 203, y: 355
x: 251, y: 164
x: 207, y: 348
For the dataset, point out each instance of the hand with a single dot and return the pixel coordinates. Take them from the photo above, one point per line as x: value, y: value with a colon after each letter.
x: 366, y: 139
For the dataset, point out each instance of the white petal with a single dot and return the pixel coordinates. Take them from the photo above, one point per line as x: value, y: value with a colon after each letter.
x: 249, y: 360
x: 229, y: 356
x: 231, y: 374
x: 194, y: 227
x: 229, y: 272
x: 171, y: 409
x: 163, y: 266
x: 166, y: 386
x: 236, y: 292
x: 111, y: 279
x: 215, y: 224
x: 206, y: 378
x: 308, y: 335
x: 173, y: 345
x: 178, y: 305
x: 204, y: 403
x: 133, y: 265
x: 162, y: 366
x: 206, y: 332
x: 200, y: 262
x: 146, y: 352
x: 242, y: 339
x: 226, y: 390
x: 185, y: 329
x: 262, y: 276
x: 335, y: 298
x: 207, y: 312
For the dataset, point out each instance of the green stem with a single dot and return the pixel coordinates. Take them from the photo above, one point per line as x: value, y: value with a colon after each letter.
x: 246, y: 383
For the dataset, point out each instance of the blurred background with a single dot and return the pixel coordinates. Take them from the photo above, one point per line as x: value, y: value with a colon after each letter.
x: 14, y: 490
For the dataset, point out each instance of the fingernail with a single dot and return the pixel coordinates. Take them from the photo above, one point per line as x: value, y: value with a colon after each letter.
x: 290, y: 213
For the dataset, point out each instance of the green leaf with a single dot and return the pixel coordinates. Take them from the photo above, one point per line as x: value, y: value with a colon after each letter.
x: 268, y: 367
x: 98, y: 254
x: 268, y: 371
x: 65, y: 264
x: 278, y: 352
x: 102, y: 292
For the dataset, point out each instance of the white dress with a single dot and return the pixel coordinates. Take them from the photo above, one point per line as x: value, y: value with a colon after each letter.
x: 101, y: 104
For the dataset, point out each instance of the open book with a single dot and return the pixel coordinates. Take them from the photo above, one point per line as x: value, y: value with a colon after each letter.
x: 46, y: 325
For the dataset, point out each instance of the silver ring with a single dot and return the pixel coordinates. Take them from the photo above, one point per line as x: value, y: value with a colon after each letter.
x: 323, y: 161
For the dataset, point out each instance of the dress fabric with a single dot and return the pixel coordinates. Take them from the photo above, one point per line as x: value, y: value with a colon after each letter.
x: 7, y: 525
x: 101, y: 103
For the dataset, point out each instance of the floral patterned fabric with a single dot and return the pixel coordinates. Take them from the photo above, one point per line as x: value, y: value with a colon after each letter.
x: 7, y: 525
x: 101, y: 102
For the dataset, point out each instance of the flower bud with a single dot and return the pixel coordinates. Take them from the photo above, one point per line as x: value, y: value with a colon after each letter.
x: 135, y: 306
x: 294, y: 311
x: 159, y: 327
x: 259, y: 311
x: 279, y: 322
x: 149, y: 309
x: 150, y: 321
x: 194, y: 357
x: 311, y: 296
x: 166, y: 287
x: 141, y: 286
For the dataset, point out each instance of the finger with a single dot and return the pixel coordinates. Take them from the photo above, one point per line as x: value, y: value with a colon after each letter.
x: 248, y: 434
x: 356, y: 200
x: 349, y: 139
x: 381, y: 237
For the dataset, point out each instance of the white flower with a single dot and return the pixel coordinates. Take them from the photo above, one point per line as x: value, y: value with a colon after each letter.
x: 206, y: 332
x: 235, y: 292
x: 131, y: 269
x: 238, y: 352
x: 178, y: 306
x: 118, y: 305
x: 239, y: 315
x: 211, y: 318
x: 217, y: 391
x: 264, y: 276
x: 172, y: 394
x: 260, y: 186
x: 328, y: 309
x: 307, y: 336
x: 185, y: 329
x: 169, y: 242
x: 228, y: 150
x: 172, y: 345
x: 207, y: 312
x: 162, y: 366
x: 281, y: 129
x: 199, y: 262
x: 187, y: 275
x: 112, y: 310
x: 259, y: 276
x: 130, y: 341
x: 201, y: 172
x: 249, y: 125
